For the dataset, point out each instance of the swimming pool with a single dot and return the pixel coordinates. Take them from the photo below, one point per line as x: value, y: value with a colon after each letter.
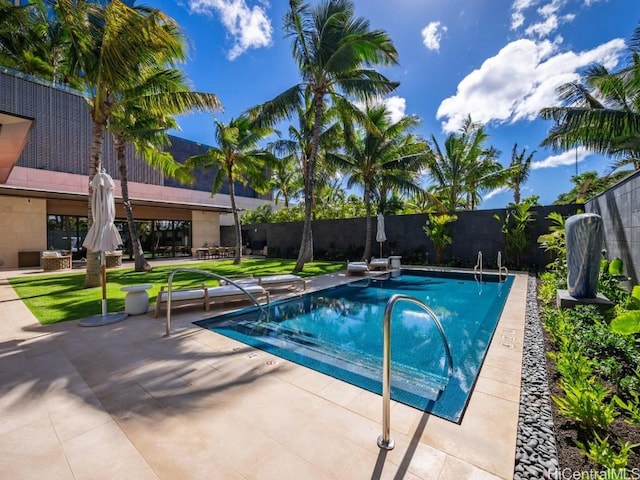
x: 338, y: 331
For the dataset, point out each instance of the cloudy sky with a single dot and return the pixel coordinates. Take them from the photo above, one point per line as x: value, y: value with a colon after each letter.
x: 498, y: 61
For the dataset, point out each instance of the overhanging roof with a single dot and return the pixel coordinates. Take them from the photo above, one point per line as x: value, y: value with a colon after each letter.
x: 51, y: 194
x: 14, y: 131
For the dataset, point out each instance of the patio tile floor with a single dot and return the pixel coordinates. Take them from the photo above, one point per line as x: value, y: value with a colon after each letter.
x: 123, y: 401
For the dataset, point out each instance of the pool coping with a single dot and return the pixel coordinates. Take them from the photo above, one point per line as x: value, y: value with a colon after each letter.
x: 482, y: 446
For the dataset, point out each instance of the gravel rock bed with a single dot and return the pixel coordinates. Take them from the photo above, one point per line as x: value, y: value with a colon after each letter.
x: 536, y: 454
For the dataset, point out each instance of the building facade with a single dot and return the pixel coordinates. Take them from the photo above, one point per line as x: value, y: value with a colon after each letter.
x: 45, y: 147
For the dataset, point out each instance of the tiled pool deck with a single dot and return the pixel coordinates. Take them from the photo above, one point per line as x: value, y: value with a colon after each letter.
x: 123, y: 402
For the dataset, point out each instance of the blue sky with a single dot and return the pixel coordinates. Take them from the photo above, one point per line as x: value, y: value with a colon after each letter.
x: 499, y: 61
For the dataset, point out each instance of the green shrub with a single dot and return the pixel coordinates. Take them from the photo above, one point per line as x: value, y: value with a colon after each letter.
x: 585, y: 402
x: 600, y: 451
x: 572, y: 364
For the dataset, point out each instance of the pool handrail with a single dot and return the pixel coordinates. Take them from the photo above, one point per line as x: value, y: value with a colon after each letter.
x: 478, y: 267
x: 501, y: 268
x: 209, y: 274
x: 385, y: 441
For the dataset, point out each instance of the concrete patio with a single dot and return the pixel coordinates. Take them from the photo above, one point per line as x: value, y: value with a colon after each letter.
x: 123, y: 401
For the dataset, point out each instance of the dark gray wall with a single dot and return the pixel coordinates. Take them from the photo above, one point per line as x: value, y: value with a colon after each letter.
x: 619, y: 208
x: 344, y: 239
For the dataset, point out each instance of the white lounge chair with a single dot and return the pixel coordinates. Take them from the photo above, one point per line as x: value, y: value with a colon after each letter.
x: 272, y: 282
x: 231, y: 293
x: 180, y: 297
x: 379, y: 263
x: 357, y: 268
x: 285, y: 280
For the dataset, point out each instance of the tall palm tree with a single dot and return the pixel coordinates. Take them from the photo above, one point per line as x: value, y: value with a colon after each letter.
x: 108, y: 48
x: 381, y: 154
x: 286, y: 179
x: 299, y: 146
x: 518, y: 171
x: 237, y: 158
x: 602, y: 113
x: 334, y: 50
x: 464, y: 167
x: 142, y: 119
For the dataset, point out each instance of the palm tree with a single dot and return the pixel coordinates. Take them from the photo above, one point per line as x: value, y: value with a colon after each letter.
x: 33, y: 41
x: 108, y: 48
x: 464, y: 168
x: 603, y: 113
x: 334, y: 50
x: 142, y: 119
x: 518, y: 171
x: 236, y: 158
x: 381, y: 155
x: 298, y: 147
x: 286, y: 179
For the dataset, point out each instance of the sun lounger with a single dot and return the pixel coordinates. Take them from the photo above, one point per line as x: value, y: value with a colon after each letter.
x: 357, y: 268
x: 181, y: 297
x: 272, y: 282
x: 379, y: 263
x: 281, y: 281
x: 231, y: 293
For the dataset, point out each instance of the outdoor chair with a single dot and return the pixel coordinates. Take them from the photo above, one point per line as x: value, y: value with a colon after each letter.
x: 379, y: 263
x: 357, y: 268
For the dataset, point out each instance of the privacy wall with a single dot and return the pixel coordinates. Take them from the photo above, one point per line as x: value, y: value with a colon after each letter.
x: 344, y: 239
x: 619, y: 208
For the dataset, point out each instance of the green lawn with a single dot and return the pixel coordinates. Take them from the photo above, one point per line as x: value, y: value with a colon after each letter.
x: 58, y: 297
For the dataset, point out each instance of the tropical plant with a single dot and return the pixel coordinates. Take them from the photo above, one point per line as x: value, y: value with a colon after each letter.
x: 555, y: 243
x: 518, y: 171
x: 333, y: 50
x: 142, y: 118
x: 108, y: 48
x: 438, y: 230
x: 602, y: 112
x: 380, y: 153
x: 585, y: 402
x: 600, y: 451
x: 464, y: 168
x: 236, y: 158
x: 33, y: 41
x: 515, y: 227
x: 628, y: 323
x: 588, y: 185
x: 632, y: 407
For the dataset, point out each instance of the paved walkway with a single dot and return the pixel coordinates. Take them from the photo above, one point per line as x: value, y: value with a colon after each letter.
x: 123, y: 402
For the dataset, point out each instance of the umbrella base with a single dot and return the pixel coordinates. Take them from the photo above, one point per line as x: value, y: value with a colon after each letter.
x: 99, y: 320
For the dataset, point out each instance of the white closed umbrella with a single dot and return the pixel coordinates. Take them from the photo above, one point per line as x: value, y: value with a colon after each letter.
x: 381, y: 236
x: 103, y: 236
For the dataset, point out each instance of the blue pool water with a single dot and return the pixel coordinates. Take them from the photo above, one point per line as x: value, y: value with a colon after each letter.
x: 338, y: 331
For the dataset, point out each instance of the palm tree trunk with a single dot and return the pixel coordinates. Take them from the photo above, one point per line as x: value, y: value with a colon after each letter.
x: 367, y: 209
x: 93, y: 276
x: 306, y: 244
x: 237, y: 259
x: 141, y: 265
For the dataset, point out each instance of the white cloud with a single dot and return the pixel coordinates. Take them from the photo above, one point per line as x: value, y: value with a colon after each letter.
x: 570, y: 157
x: 494, y: 192
x: 396, y: 107
x: 517, y: 9
x: 249, y: 27
x: 519, y: 81
x: 432, y: 35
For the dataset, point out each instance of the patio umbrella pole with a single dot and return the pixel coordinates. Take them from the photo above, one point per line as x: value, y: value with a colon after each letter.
x: 103, y: 263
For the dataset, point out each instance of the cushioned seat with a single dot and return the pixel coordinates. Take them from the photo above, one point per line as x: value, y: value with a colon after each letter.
x: 357, y: 268
x: 285, y: 280
x: 229, y: 293
x: 379, y: 263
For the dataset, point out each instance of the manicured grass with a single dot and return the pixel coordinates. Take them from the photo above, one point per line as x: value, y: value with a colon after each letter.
x: 58, y: 297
